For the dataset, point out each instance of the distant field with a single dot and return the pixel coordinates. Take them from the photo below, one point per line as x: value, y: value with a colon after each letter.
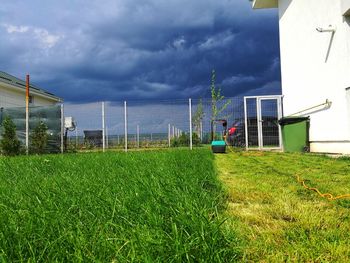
x: 276, y: 218
x: 160, y: 206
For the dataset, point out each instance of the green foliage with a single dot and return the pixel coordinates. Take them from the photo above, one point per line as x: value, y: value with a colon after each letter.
x: 163, y: 206
x: 39, y: 139
x: 88, y: 145
x: 184, y: 140
x: 71, y: 147
x: 9, y: 144
x: 206, y: 138
x: 198, y: 117
x: 196, y: 140
x: 217, y: 102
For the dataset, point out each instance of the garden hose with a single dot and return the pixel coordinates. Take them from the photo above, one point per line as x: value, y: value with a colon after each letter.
x: 301, y: 181
x: 328, y: 196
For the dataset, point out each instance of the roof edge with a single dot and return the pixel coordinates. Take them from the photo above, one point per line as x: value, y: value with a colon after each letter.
x: 260, y: 4
x: 12, y: 81
x: 32, y: 91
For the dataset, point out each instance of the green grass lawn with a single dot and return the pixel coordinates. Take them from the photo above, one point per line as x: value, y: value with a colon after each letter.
x: 276, y: 218
x: 159, y: 206
x: 171, y: 206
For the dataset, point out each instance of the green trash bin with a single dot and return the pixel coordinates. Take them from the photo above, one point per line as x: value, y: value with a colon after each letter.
x: 295, y: 133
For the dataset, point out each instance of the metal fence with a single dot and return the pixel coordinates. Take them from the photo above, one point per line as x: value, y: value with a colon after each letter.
x: 262, y: 129
x: 49, y: 115
x: 252, y: 122
x: 144, y: 124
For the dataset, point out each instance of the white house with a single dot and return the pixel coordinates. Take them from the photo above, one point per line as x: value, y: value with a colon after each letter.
x: 315, y: 65
x: 13, y: 92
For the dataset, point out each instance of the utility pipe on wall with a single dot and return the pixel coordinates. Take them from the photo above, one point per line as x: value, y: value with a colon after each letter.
x: 330, y: 29
x: 326, y: 105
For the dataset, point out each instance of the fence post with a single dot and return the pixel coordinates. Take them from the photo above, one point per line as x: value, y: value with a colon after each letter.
x: 190, y: 116
x: 107, y: 139
x: 125, y: 127
x: 246, y: 124
x: 259, y: 119
x: 103, y: 128
x: 138, y: 135
x: 169, y: 135
x: 173, y: 131
x: 76, y: 136
x: 27, y: 114
x: 62, y: 128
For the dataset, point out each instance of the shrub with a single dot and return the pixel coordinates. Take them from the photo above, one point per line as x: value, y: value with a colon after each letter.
x: 196, y: 141
x: 39, y: 139
x: 184, y: 140
x: 72, y: 147
x: 9, y: 144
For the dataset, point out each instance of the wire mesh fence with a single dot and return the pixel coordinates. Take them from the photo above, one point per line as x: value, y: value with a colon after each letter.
x: 50, y: 116
x: 146, y: 124
x: 262, y: 128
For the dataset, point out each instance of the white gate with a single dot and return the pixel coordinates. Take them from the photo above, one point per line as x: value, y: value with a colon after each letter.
x: 262, y: 131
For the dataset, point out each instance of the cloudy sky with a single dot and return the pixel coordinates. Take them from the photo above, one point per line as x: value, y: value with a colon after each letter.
x: 112, y: 50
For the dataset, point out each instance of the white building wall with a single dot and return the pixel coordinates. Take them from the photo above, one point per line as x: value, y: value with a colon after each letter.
x: 345, y: 5
x: 10, y: 97
x: 315, y: 67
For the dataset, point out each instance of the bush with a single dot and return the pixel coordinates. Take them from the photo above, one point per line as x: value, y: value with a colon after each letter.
x: 184, y: 140
x: 72, y: 147
x: 9, y: 144
x: 39, y: 139
x: 196, y: 141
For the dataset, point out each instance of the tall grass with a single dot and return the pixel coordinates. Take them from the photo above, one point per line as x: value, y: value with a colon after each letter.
x: 113, y: 207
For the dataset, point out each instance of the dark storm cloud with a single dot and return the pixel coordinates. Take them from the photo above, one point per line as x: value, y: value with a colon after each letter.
x: 144, y: 49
